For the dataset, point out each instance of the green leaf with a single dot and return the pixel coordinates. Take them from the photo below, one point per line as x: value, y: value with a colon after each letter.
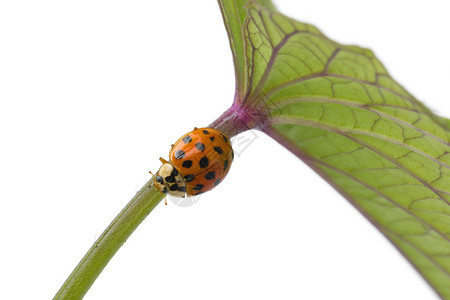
x: 337, y: 108
x: 234, y: 15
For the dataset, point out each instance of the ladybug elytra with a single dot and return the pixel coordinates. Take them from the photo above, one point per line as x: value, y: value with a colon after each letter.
x: 198, y: 162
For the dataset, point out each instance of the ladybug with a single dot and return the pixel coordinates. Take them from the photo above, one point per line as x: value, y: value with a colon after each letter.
x: 198, y: 162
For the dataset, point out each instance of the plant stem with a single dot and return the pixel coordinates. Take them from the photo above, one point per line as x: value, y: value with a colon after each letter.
x: 92, y: 264
x: 234, y: 120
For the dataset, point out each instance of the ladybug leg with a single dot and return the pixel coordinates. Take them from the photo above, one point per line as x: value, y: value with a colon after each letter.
x: 163, y: 160
x: 165, y: 197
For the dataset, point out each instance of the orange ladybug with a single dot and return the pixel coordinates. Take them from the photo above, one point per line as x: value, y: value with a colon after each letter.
x: 199, y: 161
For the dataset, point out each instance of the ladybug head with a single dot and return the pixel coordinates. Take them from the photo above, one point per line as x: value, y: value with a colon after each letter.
x: 169, y: 181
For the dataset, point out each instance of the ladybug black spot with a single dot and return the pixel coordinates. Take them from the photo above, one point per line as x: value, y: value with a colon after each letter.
x: 187, y: 164
x: 212, y: 139
x: 225, y: 165
x: 189, y: 178
x: 187, y: 139
x: 204, y: 162
x: 179, y: 154
x: 170, y: 179
x: 217, y: 181
x: 200, y: 146
x: 218, y: 150
x: 205, y: 131
x: 225, y: 138
x: 198, y: 187
x: 211, y: 175
x: 174, y: 172
x: 174, y: 187
x: 164, y: 191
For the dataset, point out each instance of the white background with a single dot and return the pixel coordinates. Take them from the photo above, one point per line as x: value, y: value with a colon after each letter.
x: 93, y: 92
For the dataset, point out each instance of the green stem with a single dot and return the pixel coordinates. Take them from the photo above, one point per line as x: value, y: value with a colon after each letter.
x: 92, y: 264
